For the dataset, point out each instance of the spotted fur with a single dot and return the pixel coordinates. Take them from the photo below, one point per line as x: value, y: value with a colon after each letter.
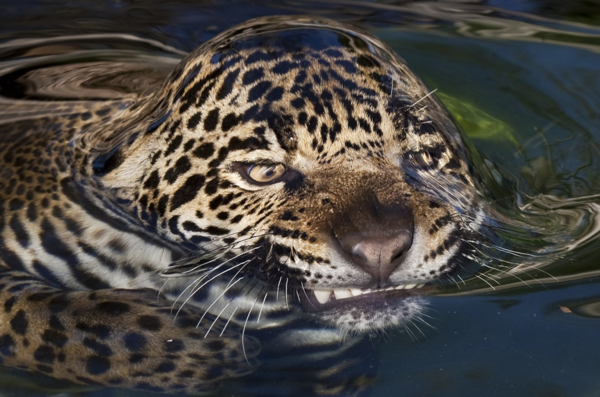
x: 112, y: 197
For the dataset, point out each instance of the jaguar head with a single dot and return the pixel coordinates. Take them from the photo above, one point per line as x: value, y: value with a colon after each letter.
x: 304, y: 154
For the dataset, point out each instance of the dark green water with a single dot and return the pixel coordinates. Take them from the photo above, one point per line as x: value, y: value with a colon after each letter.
x: 523, y: 80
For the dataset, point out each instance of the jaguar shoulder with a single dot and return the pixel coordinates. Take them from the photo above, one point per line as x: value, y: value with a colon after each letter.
x: 286, y: 166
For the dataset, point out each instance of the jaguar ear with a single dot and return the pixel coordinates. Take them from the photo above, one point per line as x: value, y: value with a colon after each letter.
x: 106, y: 145
x: 105, y: 163
x: 108, y: 151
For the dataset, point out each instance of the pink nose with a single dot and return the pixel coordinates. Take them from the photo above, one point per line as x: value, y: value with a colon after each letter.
x: 377, y: 252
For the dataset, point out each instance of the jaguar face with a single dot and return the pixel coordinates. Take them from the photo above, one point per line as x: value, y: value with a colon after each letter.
x: 308, y: 158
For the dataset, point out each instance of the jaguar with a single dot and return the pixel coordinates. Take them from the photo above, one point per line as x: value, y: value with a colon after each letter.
x: 289, y: 169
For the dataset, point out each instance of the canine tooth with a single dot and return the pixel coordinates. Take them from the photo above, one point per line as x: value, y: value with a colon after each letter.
x: 342, y: 293
x: 322, y: 295
x: 355, y: 292
x: 409, y: 286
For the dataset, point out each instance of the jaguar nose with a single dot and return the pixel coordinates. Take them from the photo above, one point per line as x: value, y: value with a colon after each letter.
x: 378, y: 252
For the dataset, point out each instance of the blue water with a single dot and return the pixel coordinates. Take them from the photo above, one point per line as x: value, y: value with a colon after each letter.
x: 525, y: 85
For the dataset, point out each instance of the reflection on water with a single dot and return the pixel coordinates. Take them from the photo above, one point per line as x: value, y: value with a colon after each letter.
x: 524, y: 87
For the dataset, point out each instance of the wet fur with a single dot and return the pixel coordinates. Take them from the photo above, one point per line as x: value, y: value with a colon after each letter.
x: 118, y: 197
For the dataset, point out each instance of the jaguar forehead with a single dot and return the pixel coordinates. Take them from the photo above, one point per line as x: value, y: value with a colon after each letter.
x: 298, y: 87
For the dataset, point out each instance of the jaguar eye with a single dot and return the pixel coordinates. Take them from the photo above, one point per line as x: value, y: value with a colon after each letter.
x: 265, y: 173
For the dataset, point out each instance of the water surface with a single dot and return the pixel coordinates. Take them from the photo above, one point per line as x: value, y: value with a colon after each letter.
x: 522, y: 80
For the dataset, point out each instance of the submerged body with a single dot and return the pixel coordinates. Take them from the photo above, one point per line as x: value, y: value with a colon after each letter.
x: 286, y: 166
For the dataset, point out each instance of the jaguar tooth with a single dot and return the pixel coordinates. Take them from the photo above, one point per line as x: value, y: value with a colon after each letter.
x: 420, y: 285
x: 409, y: 286
x: 400, y: 286
x: 322, y: 295
x: 342, y: 293
x: 355, y: 292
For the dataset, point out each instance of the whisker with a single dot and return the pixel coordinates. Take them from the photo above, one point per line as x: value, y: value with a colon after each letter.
x: 188, y: 272
x: 277, y: 294
x: 286, y: 294
x: 461, y: 279
x: 177, y: 266
x: 505, y: 250
x: 216, y: 319
x: 244, y: 329
x: 507, y: 272
x: 309, y: 301
x: 262, y: 307
x: 419, y: 329
x: 217, y: 299
x: 190, y: 286
x: 210, y: 271
x: 431, y: 92
x: 236, y: 273
x: 228, y: 320
x: 410, y: 333
x: 200, y: 287
x: 482, y: 279
x: 546, y: 273
x: 160, y: 291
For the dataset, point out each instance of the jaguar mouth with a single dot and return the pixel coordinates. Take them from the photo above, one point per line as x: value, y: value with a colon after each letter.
x: 321, y: 300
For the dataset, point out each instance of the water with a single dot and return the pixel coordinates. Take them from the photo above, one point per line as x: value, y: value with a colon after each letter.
x: 524, y: 87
